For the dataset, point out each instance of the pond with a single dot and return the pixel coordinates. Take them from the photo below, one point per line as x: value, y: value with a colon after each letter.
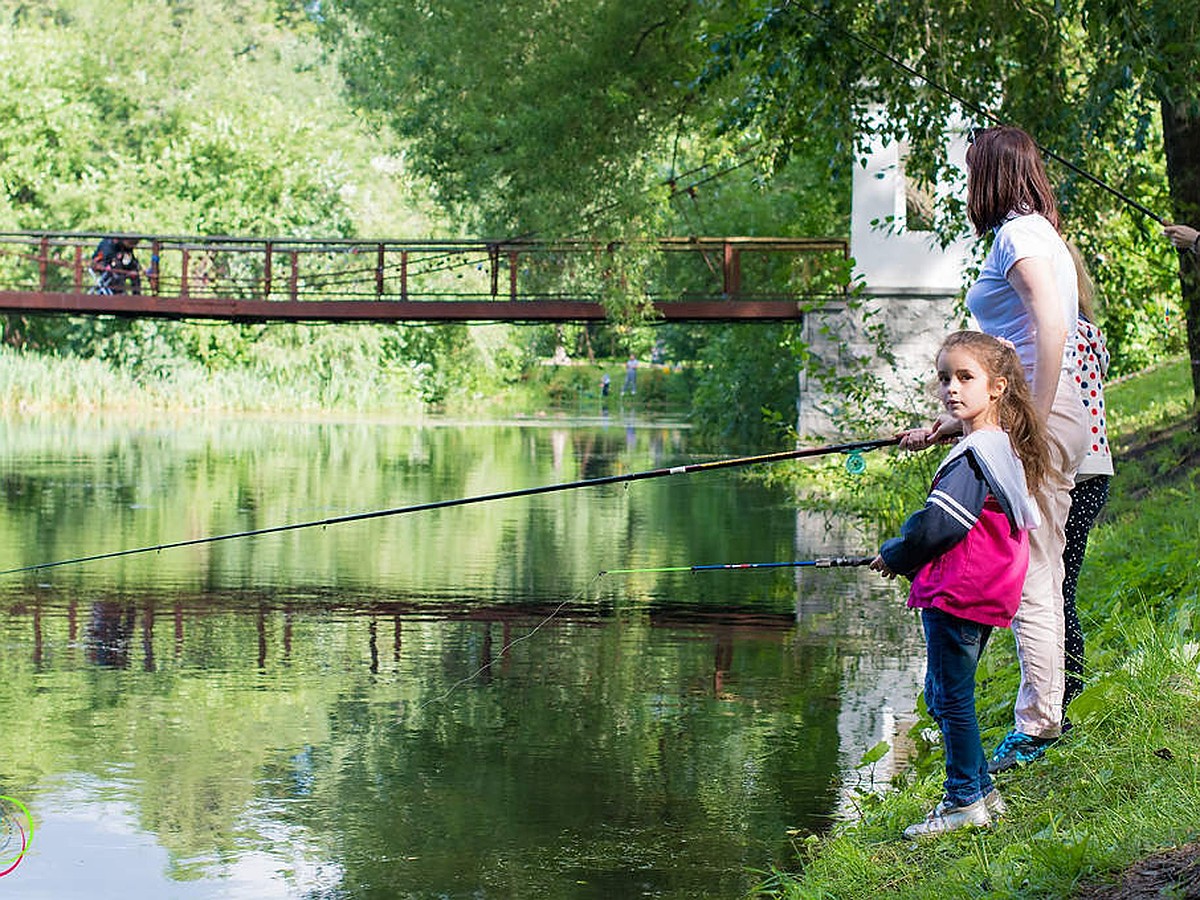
x: 451, y: 702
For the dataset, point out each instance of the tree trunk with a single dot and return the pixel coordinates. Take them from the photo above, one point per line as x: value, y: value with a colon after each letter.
x: 1181, y: 135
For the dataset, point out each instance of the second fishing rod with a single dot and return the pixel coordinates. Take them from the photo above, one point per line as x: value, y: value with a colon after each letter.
x: 820, y: 562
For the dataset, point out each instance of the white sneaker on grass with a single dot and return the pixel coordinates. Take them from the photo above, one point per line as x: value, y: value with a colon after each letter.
x: 995, y: 804
x: 944, y: 818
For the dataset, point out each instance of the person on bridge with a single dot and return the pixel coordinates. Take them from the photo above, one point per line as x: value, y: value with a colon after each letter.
x: 116, y: 268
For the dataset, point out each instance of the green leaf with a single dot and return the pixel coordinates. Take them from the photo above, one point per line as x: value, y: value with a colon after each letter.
x: 875, y: 754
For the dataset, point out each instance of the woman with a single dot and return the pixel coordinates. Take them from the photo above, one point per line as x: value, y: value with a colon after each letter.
x: 1026, y: 294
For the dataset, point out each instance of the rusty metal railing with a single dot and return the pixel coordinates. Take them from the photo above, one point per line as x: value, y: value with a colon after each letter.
x: 314, y: 269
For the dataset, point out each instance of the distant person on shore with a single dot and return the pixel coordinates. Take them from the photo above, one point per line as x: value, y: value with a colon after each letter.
x: 630, y: 385
x: 967, y: 551
x: 115, y: 266
x: 605, y: 385
x: 1183, y: 237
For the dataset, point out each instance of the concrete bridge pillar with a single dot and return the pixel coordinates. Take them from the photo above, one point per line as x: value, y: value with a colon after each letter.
x: 911, y: 284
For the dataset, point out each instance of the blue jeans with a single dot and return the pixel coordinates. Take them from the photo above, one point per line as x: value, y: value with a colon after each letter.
x: 954, y: 646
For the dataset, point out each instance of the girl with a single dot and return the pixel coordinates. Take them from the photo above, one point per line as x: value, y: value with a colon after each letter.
x: 1091, y: 481
x: 1027, y: 293
x: 967, y: 551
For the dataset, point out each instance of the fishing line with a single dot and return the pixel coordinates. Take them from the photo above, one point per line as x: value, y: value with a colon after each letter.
x: 976, y: 108
x: 503, y: 650
x: 853, y: 451
x: 823, y: 562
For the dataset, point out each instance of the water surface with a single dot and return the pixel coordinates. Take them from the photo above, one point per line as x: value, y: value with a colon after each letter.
x: 451, y: 703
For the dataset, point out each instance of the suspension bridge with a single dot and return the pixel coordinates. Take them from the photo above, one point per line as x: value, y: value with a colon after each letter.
x: 308, y: 279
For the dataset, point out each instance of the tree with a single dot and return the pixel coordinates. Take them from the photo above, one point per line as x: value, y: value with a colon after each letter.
x: 570, y: 107
x: 526, y: 116
x: 1115, y: 87
x: 1157, y: 46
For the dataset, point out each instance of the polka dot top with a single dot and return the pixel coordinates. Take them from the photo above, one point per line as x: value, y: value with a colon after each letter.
x: 1091, y: 366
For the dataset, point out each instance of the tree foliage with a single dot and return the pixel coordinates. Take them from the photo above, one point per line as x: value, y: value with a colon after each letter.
x: 532, y: 115
x: 1109, y: 86
x: 126, y: 116
x: 527, y: 116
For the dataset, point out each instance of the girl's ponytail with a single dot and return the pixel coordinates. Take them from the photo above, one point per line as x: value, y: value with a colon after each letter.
x: 1025, y: 429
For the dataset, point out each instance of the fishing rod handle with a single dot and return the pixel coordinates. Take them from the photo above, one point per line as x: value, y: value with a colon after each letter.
x: 827, y: 562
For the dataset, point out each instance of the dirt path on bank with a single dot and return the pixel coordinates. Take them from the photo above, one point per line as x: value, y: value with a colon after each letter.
x: 1172, y: 873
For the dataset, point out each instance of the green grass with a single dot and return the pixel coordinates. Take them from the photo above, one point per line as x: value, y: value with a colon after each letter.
x: 33, y: 382
x: 1156, y: 398
x: 279, y: 382
x: 1126, y: 781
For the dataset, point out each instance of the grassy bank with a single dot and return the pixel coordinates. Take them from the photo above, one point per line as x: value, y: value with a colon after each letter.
x: 33, y: 382
x: 1126, y: 781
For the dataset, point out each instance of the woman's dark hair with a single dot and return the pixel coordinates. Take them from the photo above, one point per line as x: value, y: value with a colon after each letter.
x: 1005, y: 175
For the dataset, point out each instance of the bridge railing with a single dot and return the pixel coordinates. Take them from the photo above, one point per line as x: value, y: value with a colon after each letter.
x: 677, y: 268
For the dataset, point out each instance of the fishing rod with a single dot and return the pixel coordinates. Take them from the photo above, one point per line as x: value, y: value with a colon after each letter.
x: 979, y: 110
x: 823, y: 562
x: 854, y: 464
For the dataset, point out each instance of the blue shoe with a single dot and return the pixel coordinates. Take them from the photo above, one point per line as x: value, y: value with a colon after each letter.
x: 1017, y: 748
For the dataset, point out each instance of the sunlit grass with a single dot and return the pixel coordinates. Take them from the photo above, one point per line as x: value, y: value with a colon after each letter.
x: 323, y: 382
x: 1151, y: 399
x: 34, y: 382
x: 1124, y: 782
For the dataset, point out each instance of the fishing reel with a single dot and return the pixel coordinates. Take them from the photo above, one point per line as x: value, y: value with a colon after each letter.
x: 855, y: 464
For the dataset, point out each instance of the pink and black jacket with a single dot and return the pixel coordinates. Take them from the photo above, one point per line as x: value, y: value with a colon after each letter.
x: 967, y: 549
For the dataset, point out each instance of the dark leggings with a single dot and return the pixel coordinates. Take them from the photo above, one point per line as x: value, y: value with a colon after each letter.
x: 1087, y: 499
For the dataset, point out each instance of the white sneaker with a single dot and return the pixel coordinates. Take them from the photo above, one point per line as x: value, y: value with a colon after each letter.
x: 944, y: 817
x: 995, y: 804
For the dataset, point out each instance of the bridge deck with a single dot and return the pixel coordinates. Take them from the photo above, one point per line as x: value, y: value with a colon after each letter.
x: 251, y: 279
x: 386, y: 310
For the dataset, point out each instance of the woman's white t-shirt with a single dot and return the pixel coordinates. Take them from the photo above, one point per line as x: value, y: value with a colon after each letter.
x: 998, y: 309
